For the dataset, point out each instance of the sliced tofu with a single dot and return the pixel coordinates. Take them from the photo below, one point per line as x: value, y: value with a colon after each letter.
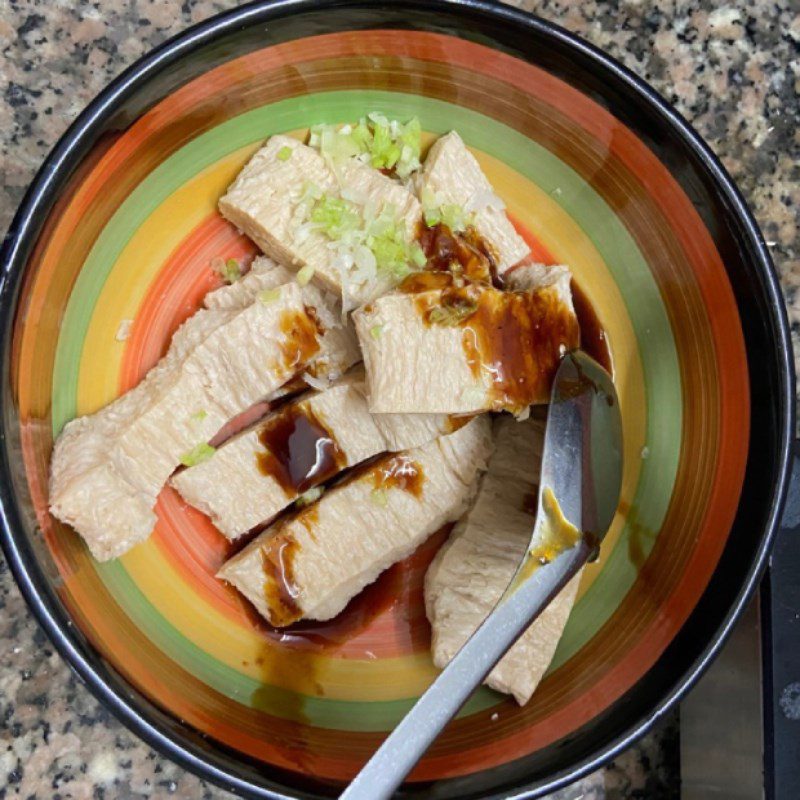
x: 304, y: 443
x: 412, y: 366
x: 264, y: 274
x: 311, y: 564
x: 533, y: 275
x: 404, y: 431
x: 339, y: 348
x: 453, y: 175
x: 268, y: 202
x: 476, y: 564
x: 109, y: 467
x: 464, y: 350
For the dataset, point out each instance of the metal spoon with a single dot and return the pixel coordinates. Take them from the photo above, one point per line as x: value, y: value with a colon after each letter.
x: 581, y: 476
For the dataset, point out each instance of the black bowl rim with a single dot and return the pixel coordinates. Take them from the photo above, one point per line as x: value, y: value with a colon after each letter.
x: 18, y: 551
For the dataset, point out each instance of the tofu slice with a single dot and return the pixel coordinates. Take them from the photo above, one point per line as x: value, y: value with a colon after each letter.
x: 453, y: 174
x: 311, y: 564
x: 267, y: 202
x: 533, y: 275
x: 339, y: 348
x: 474, y: 567
x: 108, y: 468
x: 254, y: 476
x: 264, y: 274
x: 502, y: 356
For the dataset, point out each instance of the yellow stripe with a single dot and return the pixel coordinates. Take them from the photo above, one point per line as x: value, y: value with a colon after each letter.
x: 242, y: 648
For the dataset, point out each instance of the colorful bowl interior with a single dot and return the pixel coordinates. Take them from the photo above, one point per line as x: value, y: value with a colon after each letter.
x: 131, y: 237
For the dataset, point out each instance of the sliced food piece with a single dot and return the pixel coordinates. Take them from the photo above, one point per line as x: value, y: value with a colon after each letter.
x: 532, y: 275
x: 351, y: 230
x: 108, y: 468
x: 264, y: 274
x: 404, y: 431
x: 455, y: 192
x: 312, y: 563
x: 301, y: 445
x: 453, y: 347
x: 339, y: 348
x: 476, y: 564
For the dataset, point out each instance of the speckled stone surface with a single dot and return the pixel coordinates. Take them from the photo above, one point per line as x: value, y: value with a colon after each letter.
x: 732, y: 69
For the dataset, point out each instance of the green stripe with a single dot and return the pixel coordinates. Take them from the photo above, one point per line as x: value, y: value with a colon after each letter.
x: 579, y: 200
x: 241, y: 688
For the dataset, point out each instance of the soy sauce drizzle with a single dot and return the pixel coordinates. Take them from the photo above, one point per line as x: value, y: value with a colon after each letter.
x: 515, y: 339
x: 594, y: 339
x: 464, y: 252
x: 299, y: 451
x: 280, y: 588
x: 399, y: 472
x: 300, y: 340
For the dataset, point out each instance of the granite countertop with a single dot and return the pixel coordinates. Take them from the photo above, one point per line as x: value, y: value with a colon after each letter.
x: 733, y: 70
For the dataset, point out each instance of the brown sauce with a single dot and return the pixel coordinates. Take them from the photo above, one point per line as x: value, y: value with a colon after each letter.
x: 466, y: 253
x: 300, y: 340
x: 278, y: 556
x: 530, y: 502
x: 456, y: 422
x: 518, y: 339
x: 594, y: 340
x: 418, y: 282
x: 399, y: 472
x: 556, y: 535
x: 639, y: 537
x: 299, y: 451
x: 280, y: 589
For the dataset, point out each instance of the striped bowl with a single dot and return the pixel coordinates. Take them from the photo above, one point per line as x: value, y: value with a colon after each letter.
x: 597, y: 173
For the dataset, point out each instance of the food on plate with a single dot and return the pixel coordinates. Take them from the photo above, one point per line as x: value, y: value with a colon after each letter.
x: 309, y: 565
x: 350, y: 227
x: 338, y: 347
x: 109, y: 467
x: 302, y: 444
x: 455, y: 192
x: 263, y: 416
x: 473, y: 568
x: 437, y: 346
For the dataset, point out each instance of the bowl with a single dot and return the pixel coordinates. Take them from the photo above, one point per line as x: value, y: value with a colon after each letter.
x: 597, y: 172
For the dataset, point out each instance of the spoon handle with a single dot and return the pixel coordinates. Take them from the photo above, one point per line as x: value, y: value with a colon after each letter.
x: 407, y: 743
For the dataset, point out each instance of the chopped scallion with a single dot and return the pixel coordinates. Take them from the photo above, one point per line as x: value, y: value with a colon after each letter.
x: 309, y: 497
x: 268, y: 296
x: 379, y: 497
x: 305, y: 274
x: 197, y: 455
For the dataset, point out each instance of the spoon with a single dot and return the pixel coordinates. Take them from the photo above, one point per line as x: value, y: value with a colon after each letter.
x: 581, y: 476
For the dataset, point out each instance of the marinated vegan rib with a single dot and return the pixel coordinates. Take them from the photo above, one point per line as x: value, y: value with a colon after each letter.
x: 476, y: 564
x: 109, y: 467
x: 309, y: 565
x: 451, y: 176
x: 252, y: 477
x: 442, y: 345
x: 302, y: 213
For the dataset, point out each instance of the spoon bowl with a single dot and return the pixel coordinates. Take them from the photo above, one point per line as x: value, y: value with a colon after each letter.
x: 579, y: 489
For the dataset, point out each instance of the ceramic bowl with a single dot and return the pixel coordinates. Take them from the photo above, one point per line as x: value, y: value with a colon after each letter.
x: 597, y: 172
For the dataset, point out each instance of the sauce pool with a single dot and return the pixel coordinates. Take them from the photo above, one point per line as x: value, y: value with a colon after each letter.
x: 299, y: 451
x: 594, y: 340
